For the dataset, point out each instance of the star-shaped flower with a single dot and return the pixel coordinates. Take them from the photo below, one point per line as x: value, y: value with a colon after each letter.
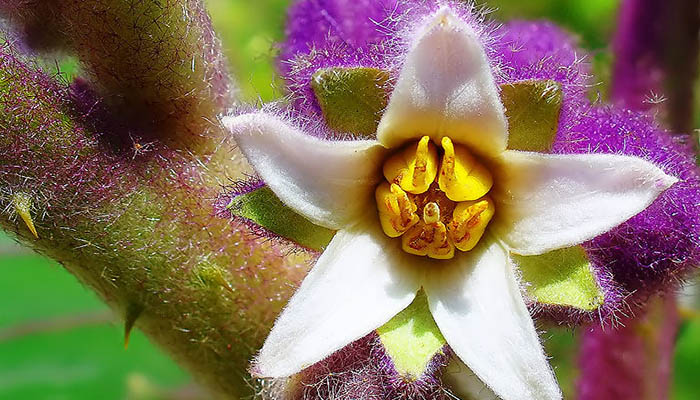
x: 436, y: 203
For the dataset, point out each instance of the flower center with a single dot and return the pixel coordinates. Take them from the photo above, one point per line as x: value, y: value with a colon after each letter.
x: 435, y: 200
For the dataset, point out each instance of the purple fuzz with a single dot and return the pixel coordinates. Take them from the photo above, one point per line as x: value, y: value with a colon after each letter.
x: 648, y: 254
x: 632, y: 361
x: 363, y: 370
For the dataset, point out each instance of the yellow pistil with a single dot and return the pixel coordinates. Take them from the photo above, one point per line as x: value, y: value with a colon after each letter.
x: 431, y: 213
x: 462, y: 177
x: 414, y: 168
x: 434, y: 213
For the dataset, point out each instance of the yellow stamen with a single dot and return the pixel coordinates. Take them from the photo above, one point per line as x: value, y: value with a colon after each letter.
x: 428, y: 240
x: 441, y: 248
x: 469, y: 220
x: 23, y: 207
x: 397, y: 212
x: 462, y: 177
x: 435, y: 210
x: 413, y: 168
x: 416, y: 240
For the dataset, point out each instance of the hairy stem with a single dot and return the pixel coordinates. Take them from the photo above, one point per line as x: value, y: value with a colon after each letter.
x: 633, y: 361
x: 656, y: 63
x: 656, y: 48
x: 157, y: 64
x: 118, y: 175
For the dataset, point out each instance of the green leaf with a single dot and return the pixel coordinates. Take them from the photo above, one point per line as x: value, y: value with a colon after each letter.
x: 264, y: 208
x: 58, y: 340
x: 561, y: 277
x: 532, y: 109
x: 352, y: 99
x: 412, y: 339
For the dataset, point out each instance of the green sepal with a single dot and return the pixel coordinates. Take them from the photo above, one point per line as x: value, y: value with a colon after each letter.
x: 412, y: 339
x: 532, y: 109
x: 561, y: 278
x: 352, y: 99
x: 262, y: 207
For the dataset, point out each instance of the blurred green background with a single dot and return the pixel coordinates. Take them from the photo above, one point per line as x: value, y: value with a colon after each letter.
x: 58, y: 341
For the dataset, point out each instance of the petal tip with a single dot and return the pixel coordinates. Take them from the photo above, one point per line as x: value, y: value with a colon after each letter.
x: 237, y: 124
x: 265, y: 365
x: 667, y: 181
x: 444, y: 16
x: 227, y: 121
x: 446, y: 19
x: 256, y: 371
x: 232, y: 123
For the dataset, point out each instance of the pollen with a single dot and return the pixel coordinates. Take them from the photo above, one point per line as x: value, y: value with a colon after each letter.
x: 435, y: 200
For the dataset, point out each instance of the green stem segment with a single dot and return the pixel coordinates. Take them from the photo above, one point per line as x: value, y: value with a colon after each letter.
x: 138, y: 228
x: 157, y: 65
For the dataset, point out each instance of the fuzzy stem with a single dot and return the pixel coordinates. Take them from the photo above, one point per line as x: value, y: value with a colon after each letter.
x: 631, y: 362
x: 136, y: 224
x: 656, y: 48
x: 157, y: 64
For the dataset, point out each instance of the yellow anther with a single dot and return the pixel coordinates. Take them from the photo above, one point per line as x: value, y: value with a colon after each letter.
x: 397, y: 212
x: 431, y: 213
x: 413, y: 168
x: 462, y: 177
x: 428, y: 240
x: 469, y: 220
x: 441, y: 248
x: 419, y: 199
x: 23, y: 207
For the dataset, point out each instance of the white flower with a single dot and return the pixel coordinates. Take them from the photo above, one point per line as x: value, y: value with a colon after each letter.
x: 542, y: 203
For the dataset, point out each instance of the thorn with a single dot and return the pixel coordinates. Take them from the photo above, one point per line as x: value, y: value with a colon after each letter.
x: 23, y: 207
x: 209, y: 275
x: 133, y: 312
x: 228, y: 288
x: 221, y: 280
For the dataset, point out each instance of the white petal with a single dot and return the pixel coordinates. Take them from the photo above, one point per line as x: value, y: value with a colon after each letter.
x: 329, y: 182
x: 446, y: 88
x: 546, y: 202
x: 359, y: 283
x: 477, y: 304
